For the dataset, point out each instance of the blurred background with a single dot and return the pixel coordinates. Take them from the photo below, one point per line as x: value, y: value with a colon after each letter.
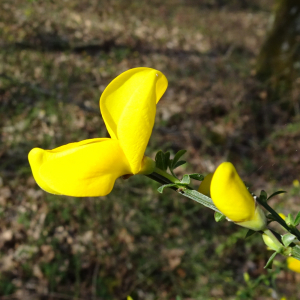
x: 233, y: 95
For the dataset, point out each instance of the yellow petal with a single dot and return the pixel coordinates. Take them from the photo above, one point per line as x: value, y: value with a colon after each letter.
x: 293, y: 264
x: 85, y: 169
x: 230, y: 194
x: 204, y: 187
x: 128, y: 107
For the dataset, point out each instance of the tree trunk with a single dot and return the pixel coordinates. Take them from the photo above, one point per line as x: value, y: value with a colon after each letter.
x: 279, y: 59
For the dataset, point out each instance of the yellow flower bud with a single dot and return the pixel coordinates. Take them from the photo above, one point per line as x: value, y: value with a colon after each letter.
x: 282, y: 216
x: 293, y: 264
x: 232, y: 198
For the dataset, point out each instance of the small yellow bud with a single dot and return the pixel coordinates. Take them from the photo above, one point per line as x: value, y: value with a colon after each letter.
x: 282, y: 216
x: 232, y: 198
x: 296, y: 183
x: 293, y: 264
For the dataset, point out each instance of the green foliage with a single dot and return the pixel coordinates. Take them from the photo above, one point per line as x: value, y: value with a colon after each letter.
x: 250, y: 232
x: 52, y: 80
x: 219, y: 217
x: 270, y: 261
x: 287, y: 239
x: 6, y: 286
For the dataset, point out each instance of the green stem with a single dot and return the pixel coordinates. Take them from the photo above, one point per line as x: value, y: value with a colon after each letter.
x: 165, y: 178
x: 166, y: 175
x: 278, y: 218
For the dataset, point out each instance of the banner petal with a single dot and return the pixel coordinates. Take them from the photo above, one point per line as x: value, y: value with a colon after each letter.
x: 128, y: 107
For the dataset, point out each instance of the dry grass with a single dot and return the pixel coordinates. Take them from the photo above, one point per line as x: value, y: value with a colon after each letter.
x: 55, y: 60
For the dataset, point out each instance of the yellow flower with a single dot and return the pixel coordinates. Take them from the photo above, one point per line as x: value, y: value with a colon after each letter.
x: 296, y: 183
x: 90, y: 167
x: 293, y: 264
x: 232, y: 198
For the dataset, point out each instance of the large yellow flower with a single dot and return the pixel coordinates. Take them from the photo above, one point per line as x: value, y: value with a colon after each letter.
x: 90, y: 167
x: 232, y: 198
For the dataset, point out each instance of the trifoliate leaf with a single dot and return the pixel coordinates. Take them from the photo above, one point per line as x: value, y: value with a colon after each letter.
x: 179, y: 163
x: 177, y: 157
x: 297, y: 219
x: 219, y: 217
x: 162, y: 160
x: 197, y: 176
x: 270, y: 261
x: 289, y: 220
x: 276, y: 193
x: 166, y: 160
x: 287, y: 239
x: 159, y: 159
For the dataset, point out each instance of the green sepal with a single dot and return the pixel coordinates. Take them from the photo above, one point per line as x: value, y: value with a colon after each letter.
x: 287, y: 239
x: 161, y: 188
x: 197, y: 176
x: 249, y: 233
x: 219, y: 216
x: 297, y: 219
x: 276, y: 193
x: 270, y: 261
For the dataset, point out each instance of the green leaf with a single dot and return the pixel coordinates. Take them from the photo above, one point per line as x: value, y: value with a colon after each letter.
x: 289, y: 220
x: 249, y: 233
x: 219, y: 216
x: 270, y: 261
x: 200, y: 198
x: 186, y: 179
x: 162, y: 160
x: 263, y: 196
x: 177, y: 157
x: 179, y: 163
x: 297, y: 219
x: 161, y: 188
x: 276, y: 193
x: 287, y: 239
x: 197, y: 176
x: 166, y: 160
x: 159, y: 159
